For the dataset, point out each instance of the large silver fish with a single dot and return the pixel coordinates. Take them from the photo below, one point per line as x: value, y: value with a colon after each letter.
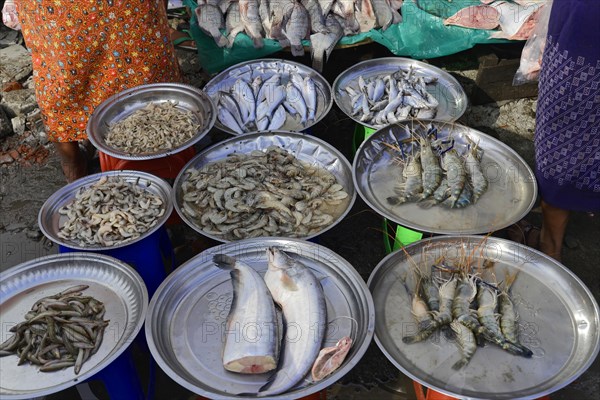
x: 297, y: 28
x: 322, y: 44
x: 300, y: 295
x: 249, y: 14
x: 252, y: 344
x: 210, y: 20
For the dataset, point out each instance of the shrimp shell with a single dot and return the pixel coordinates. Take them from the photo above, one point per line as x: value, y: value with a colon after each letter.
x: 455, y: 173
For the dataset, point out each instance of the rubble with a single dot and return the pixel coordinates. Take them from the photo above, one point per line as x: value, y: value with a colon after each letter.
x: 6, y: 128
x: 19, y: 102
x: 16, y: 63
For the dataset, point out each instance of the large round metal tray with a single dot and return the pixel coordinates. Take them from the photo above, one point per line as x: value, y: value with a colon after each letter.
x: 559, y: 321
x: 186, y: 317
x: 447, y: 90
x: 511, y: 192
x: 111, y: 281
x: 123, y: 104
x: 251, y: 69
x: 303, y: 146
x: 50, y: 220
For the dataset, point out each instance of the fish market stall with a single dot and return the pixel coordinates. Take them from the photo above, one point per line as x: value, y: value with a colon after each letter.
x: 415, y: 28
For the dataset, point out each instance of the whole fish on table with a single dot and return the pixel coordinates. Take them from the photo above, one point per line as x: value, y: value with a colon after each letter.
x: 300, y: 295
x: 255, y: 350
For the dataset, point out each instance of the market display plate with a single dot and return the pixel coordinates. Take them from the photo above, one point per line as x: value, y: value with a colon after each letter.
x: 50, y: 220
x: 187, y: 314
x: 559, y: 321
x: 251, y: 69
x: 111, y: 281
x: 447, y: 91
x: 302, y: 146
x: 511, y: 193
x: 123, y: 104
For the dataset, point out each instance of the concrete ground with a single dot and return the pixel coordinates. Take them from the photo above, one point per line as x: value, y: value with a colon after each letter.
x: 357, y: 238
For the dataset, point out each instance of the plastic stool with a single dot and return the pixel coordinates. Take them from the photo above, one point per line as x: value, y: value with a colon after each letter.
x: 120, y: 378
x: 322, y: 395
x: 165, y: 167
x: 433, y: 395
x: 146, y: 256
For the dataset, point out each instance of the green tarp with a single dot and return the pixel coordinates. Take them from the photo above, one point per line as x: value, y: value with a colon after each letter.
x: 420, y: 35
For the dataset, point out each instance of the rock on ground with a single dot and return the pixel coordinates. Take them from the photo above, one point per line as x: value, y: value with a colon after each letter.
x: 16, y: 63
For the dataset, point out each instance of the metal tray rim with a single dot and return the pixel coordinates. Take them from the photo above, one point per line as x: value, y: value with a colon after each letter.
x: 189, y: 265
x: 298, y: 135
x: 464, y: 99
x: 86, y: 181
x: 412, y: 225
x: 121, y: 266
x: 101, y: 145
x: 223, y: 74
x: 407, y: 372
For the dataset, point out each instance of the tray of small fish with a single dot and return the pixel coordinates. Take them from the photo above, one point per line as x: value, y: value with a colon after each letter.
x: 383, y: 91
x: 206, y: 330
x: 64, y: 318
x: 151, y: 121
x: 536, y: 323
x: 443, y: 178
x: 267, y: 95
x: 106, y: 210
x: 265, y: 184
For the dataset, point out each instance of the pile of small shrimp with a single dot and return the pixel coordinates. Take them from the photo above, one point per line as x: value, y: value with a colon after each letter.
x: 474, y: 309
x: 436, y: 174
x: 270, y: 193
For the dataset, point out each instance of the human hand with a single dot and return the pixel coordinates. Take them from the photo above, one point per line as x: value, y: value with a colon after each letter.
x: 9, y: 15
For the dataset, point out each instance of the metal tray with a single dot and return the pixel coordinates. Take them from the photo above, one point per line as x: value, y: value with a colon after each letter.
x: 559, y: 321
x: 447, y: 90
x: 111, y: 281
x: 186, y: 317
x: 511, y: 192
x: 122, y: 104
x: 50, y: 221
x: 225, y: 80
x: 303, y: 146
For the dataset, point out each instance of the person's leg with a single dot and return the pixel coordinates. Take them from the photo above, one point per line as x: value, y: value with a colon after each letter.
x: 72, y: 160
x: 552, y: 234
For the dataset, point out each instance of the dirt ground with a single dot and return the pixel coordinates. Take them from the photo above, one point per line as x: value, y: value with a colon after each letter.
x: 358, y: 239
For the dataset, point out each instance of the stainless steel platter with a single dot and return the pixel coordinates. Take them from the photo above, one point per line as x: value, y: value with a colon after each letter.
x: 559, y: 321
x: 186, y: 317
x: 511, y: 193
x: 303, y: 146
x: 251, y: 69
x: 111, y: 281
x: 123, y: 104
x: 50, y: 220
x: 447, y: 90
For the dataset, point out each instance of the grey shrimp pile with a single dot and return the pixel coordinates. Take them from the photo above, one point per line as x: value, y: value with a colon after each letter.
x: 60, y: 331
x: 387, y: 99
x: 436, y: 174
x: 474, y: 309
x: 268, y: 193
x: 156, y: 127
x: 111, y: 211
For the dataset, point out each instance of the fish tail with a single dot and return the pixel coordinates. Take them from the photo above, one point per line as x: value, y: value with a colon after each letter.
x: 224, y: 261
x: 297, y: 50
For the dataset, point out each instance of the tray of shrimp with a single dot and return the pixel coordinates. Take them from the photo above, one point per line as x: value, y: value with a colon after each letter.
x: 480, y: 317
x: 442, y: 177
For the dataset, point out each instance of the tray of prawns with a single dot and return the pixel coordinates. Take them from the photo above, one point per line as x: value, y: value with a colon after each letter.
x: 483, y: 318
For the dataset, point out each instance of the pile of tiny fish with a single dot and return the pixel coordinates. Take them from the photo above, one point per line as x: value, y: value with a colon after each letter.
x: 294, y: 287
x: 387, y: 99
x: 156, y: 127
x: 324, y: 22
x: 268, y: 193
x: 436, y: 174
x: 474, y: 309
x: 112, y: 211
x: 60, y: 331
x: 267, y: 99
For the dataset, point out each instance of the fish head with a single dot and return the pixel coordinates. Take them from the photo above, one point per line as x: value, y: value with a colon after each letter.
x: 282, y: 267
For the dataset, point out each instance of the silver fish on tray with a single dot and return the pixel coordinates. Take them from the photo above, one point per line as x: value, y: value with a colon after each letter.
x: 299, y: 293
x: 252, y: 346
